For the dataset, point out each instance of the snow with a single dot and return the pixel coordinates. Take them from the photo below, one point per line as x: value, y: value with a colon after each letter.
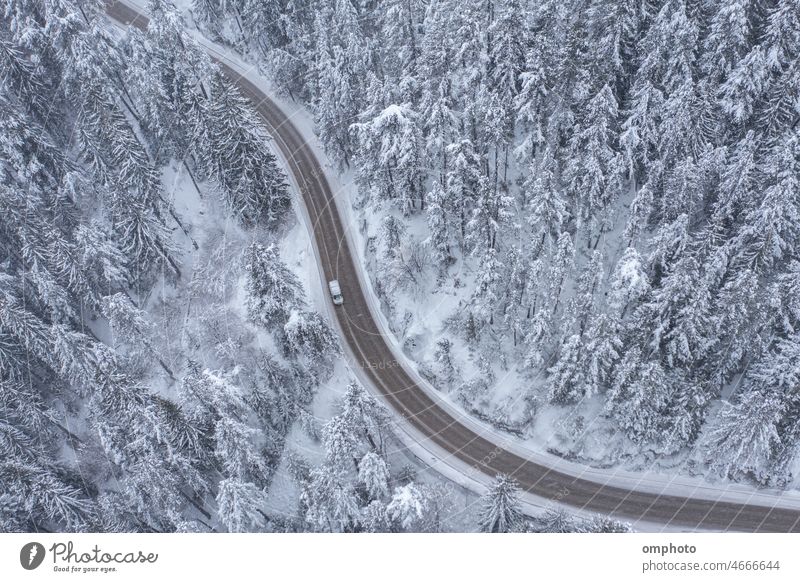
x: 391, y: 111
x: 283, y: 493
x: 427, y: 319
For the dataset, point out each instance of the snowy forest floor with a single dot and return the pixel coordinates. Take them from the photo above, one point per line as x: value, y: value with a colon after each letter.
x: 209, y: 225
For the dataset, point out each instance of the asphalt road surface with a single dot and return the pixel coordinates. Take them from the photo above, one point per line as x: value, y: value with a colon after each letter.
x: 377, y: 360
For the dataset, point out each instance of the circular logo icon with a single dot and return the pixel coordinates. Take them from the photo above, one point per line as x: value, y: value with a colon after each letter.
x: 31, y: 555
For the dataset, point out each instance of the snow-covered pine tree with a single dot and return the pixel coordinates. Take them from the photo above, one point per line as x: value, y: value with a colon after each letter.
x: 560, y: 265
x: 488, y: 290
x: 440, y: 125
x: 566, y: 380
x: 547, y: 210
x: 439, y: 226
x: 594, y: 166
x: 751, y: 431
x: 462, y: 183
x: 239, y: 158
x: 341, y: 74
x: 443, y: 354
x: 167, y: 78
x: 501, y: 511
x: 389, y: 156
x: 240, y: 506
x: 400, y: 23
x: 637, y: 396
x: 307, y: 333
x: 629, y: 282
x: 373, y: 472
x: 273, y: 291
x: 408, y: 506
x: 603, y: 348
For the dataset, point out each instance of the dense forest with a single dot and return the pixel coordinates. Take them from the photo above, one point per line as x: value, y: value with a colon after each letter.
x: 152, y: 364
x: 609, y: 189
x: 619, y: 179
x: 93, y: 435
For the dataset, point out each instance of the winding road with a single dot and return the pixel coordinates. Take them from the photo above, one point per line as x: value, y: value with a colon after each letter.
x: 438, y: 428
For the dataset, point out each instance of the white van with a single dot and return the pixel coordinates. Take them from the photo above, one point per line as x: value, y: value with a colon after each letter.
x: 336, y: 292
